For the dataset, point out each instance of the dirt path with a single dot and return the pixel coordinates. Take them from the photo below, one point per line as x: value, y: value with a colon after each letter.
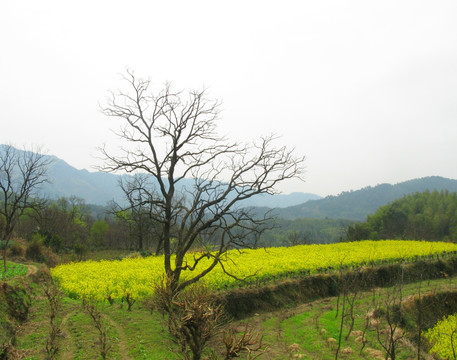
x: 67, y: 354
x: 122, y: 338
x: 31, y: 269
x: 68, y: 350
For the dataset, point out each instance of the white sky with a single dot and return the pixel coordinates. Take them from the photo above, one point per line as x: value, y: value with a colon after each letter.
x: 366, y: 90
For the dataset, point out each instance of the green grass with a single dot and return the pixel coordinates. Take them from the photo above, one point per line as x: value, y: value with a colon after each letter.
x: 137, y: 334
x: 302, y: 328
x: 12, y: 270
x: 140, y: 334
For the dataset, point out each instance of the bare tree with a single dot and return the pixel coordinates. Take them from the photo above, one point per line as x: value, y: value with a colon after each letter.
x: 54, y: 297
x: 92, y: 308
x: 173, y: 138
x: 194, y: 316
x: 21, y: 174
x: 388, y: 331
x: 138, y: 217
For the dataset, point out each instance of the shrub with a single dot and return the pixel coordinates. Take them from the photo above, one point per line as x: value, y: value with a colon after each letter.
x: 193, y: 316
x: 92, y: 308
x: 80, y: 251
x: 35, y: 249
x: 16, y: 250
x: 51, y: 259
x: 145, y: 253
x: 55, y: 243
x: 17, y: 300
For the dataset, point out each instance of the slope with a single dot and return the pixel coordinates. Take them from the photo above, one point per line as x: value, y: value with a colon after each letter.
x: 356, y: 205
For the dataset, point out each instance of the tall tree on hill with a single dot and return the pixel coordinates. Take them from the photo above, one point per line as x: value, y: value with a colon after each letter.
x: 173, y: 137
x: 21, y: 174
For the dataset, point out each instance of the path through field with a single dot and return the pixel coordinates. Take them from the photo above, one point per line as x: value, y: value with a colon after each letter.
x: 122, y: 338
x: 80, y: 339
x: 31, y: 269
x: 69, y: 351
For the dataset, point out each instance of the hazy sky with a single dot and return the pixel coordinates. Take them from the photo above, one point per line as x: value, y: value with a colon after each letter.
x: 366, y: 90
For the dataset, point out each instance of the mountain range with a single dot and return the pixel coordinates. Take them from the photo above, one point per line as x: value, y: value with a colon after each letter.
x: 99, y: 188
x: 356, y: 205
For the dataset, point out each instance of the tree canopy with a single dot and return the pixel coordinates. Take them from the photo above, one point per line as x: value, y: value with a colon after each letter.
x: 21, y: 174
x: 420, y: 216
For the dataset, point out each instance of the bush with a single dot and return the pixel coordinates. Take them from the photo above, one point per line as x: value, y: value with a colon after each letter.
x: 38, y: 252
x: 145, y: 253
x: 35, y: 249
x: 16, y: 250
x: 51, y: 259
x: 80, y: 251
x: 17, y: 300
x: 56, y: 243
x: 193, y: 316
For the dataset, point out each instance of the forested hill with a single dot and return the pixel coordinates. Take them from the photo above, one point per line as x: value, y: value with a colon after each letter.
x: 356, y: 205
x: 430, y: 216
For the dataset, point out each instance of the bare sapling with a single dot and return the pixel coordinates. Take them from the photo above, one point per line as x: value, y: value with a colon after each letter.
x: 249, y: 342
x: 350, y: 289
x: 54, y: 298
x: 193, y: 316
x: 92, y: 308
x: 388, y: 332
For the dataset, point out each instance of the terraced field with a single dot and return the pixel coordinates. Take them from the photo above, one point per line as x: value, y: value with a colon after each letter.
x: 135, y: 277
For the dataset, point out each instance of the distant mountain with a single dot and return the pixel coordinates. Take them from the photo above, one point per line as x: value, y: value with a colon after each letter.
x: 281, y: 200
x: 356, y: 205
x: 94, y: 187
x: 99, y: 188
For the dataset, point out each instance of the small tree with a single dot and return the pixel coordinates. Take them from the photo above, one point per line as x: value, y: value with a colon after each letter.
x: 54, y: 297
x: 21, y: 175
x: 98, y: 232
x: 138, y: 214
x: 173, y: 137
x: 194, y: 316
x: 69, y: 219
x: 93, y: 309
x: 388, y: 331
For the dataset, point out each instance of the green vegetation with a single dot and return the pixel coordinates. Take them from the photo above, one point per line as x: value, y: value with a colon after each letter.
x: 356, y: 205
x: 69, y: 226
x: 305, y: 231
x: 308, y: 331
x: 444, y: 337
x: 12, y: 270
x: 131, y: 335
x: 428, y: 216
x: 370, y: 308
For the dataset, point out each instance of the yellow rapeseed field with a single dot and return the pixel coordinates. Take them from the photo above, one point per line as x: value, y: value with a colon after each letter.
x: 443, y: 337
x: 134, y: 277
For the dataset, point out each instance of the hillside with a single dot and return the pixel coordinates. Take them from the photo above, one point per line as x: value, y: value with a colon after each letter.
x: 299, y: 317
x: 430, y: 216
x: 99, y: 188
x: 356, y: 205
x: 94, y: 187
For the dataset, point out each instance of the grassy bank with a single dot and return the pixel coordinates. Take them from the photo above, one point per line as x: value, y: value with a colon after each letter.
x: 291, y: 327
x: 304, y: 331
